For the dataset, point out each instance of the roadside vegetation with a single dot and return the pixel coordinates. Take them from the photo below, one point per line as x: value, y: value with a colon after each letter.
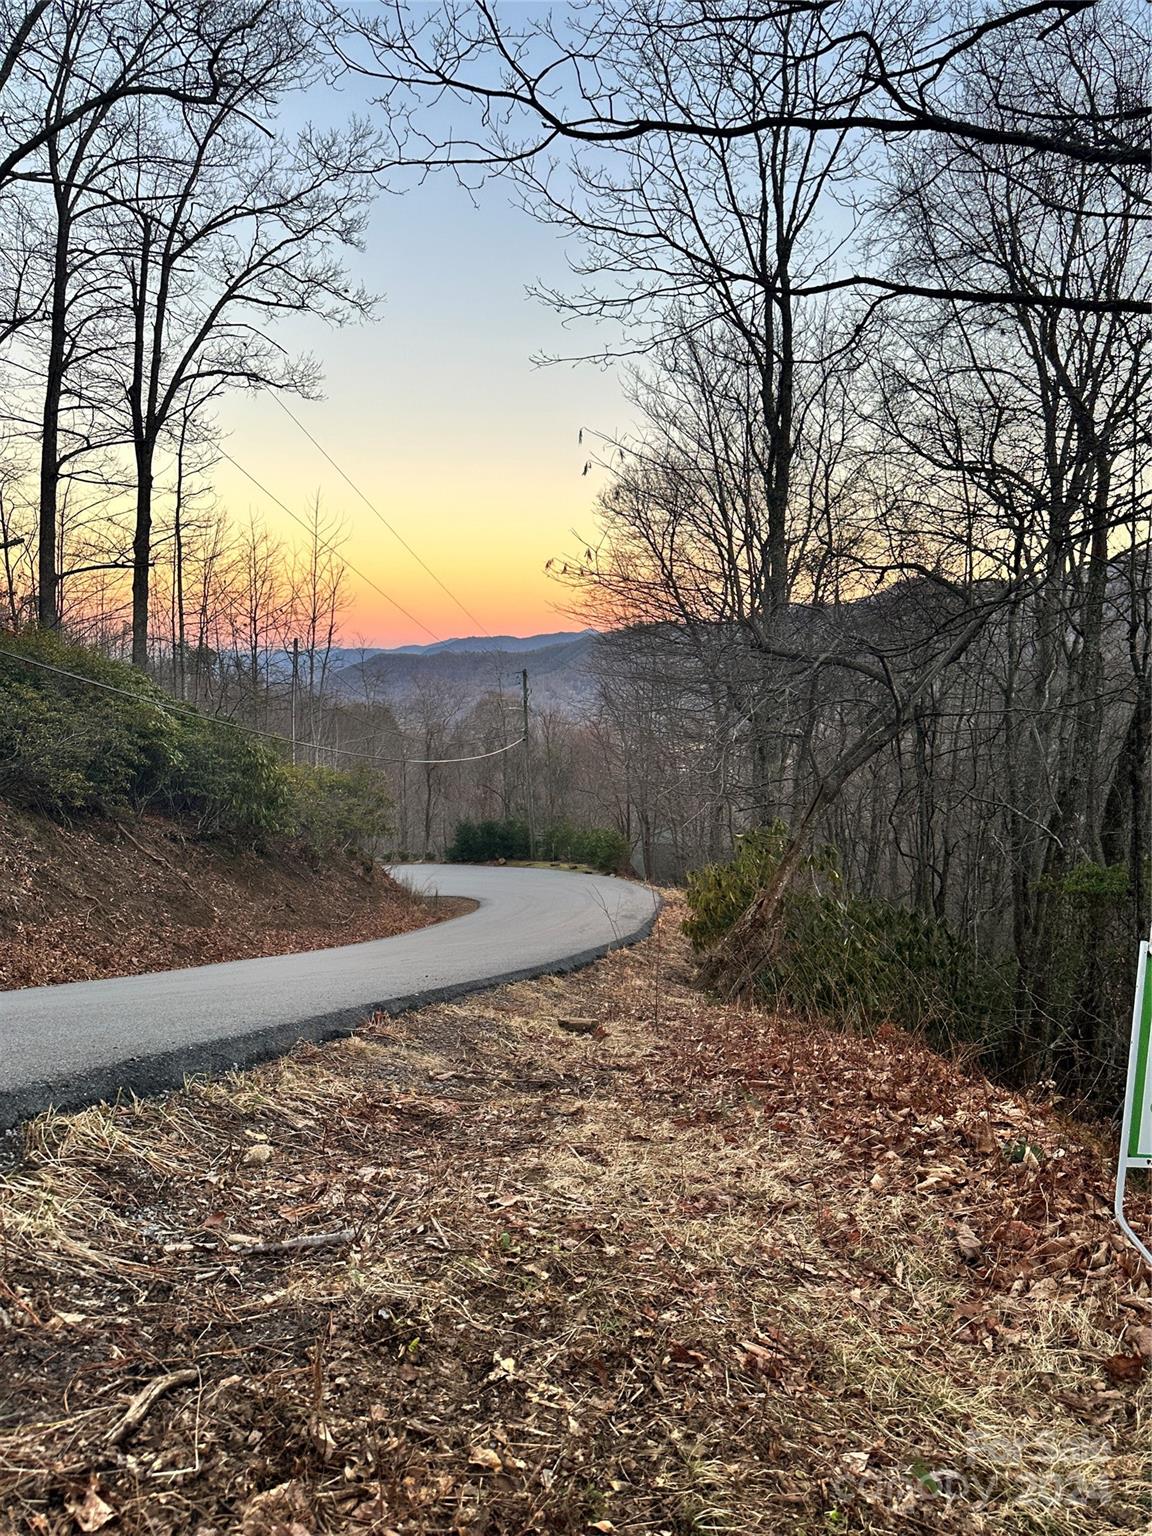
x: 560, y: 842
x: 108, y: 741
x: 870, y: 963
x: 137, y: 834
x: 586, y: 1254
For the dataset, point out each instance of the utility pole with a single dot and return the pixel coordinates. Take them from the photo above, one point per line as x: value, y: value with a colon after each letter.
x: 295, y: 690
x: 404, y: 843
x: 528, y: 768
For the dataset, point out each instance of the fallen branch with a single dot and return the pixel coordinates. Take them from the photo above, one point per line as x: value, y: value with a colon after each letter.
x: 579, y: 1026
x: 291, y: 1244
x: 140, y: 1406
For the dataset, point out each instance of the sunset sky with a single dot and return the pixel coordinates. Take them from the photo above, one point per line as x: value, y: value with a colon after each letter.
x: 437, y: 412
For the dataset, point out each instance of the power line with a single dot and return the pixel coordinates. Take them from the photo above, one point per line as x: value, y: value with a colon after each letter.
x: 386, y: 595
x: 235, y: 725
x: 476, y: 757
x: 372, y: 507
x: 330, y: 547
x: 313, y: 532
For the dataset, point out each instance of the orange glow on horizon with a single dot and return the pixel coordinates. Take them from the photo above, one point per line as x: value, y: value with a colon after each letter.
x: 488, y: 543
x: 370, y: 621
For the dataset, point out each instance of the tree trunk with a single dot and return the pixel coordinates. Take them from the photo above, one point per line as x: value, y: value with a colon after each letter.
x: 48, y: 576
x: 751, y: 943
x: 141, y: 555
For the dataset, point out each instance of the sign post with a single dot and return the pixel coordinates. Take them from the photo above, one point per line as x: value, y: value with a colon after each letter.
x: 1136, y: 1128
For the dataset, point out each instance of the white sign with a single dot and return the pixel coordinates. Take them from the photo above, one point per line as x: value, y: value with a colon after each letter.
x: 1136, y: 1127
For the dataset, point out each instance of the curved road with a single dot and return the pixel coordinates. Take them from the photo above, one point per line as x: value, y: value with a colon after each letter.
x: 88, y: 1040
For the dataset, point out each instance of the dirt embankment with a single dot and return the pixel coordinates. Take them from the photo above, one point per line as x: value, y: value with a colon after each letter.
x: 119, y: 897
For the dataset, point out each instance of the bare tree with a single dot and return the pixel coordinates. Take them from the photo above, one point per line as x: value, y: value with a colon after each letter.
x: 78, y: 150
x: 688, y: 536
x: 319, y: 589
x: 693, y: 248
x: 220, y: 236
x: 114, y: 51
x: 1035, y: 424
x: 525, y: 88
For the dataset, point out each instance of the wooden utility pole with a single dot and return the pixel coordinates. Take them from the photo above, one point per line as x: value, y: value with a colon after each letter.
x: 295, y: 690
x: 528, y: 768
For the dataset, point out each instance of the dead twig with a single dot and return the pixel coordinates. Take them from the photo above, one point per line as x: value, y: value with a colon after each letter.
x: 158, y: 859
x: 292, y: 1244
x: 140, y: 1406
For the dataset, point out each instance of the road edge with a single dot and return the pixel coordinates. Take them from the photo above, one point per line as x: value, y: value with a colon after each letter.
x: 165, y: 1071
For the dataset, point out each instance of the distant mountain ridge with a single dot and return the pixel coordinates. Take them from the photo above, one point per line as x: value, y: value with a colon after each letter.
x: 512, y: 644
x: 509, y: 645
x: 558, y: 666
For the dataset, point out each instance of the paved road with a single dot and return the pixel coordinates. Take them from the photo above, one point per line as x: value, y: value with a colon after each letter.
x: 75, y: 1044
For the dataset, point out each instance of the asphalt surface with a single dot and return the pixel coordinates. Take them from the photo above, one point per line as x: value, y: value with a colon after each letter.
x: 86, y: 1041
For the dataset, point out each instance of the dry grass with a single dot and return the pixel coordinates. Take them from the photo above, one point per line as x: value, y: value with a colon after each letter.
x: 673, y: 1268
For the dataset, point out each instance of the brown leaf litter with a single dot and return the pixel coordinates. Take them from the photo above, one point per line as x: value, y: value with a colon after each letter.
x: 693, y: 1269
x: 109, y: 898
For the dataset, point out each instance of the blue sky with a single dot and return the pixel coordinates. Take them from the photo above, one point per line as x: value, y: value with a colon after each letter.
x: 438, y: 413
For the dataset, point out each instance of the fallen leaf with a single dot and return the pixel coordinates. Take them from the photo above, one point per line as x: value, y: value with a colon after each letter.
x: 91, y: 1512
x: 968, y: 1243
x: 1127, y: 1368
x: 1017, y: 1234
x: 680, y: 1354
x: 484, y: 1456
x: 981, y: 1135
x: 275, y: 1508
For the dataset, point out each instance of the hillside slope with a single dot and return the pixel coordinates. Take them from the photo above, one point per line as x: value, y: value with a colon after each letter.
x: 117, y: 897
x: 138, y: 834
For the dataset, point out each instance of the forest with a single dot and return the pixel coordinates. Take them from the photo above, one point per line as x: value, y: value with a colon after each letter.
x: 871, y: 566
